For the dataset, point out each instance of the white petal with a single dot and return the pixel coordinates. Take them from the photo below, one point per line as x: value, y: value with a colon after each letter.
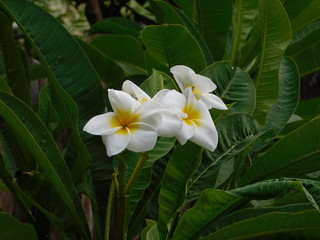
x: 170, y: 99
x: 171, y: 124
x: 117, y: 142
x: 143, y: 138
x: 187, y: 131
x: 206, y: 136
x: 135, y: 91
x: 122, y: 101
x: 212, y: 101
x: 202, y: 84
x: 182, y: 75
x: 150, y: 112
x: 101, y: 124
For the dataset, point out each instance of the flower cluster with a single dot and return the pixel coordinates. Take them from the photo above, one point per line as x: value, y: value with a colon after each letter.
x: 138, y: 119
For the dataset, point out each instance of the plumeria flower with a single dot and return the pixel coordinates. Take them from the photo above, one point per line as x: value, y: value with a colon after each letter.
x: 131, y: 126
x: 197, y: 124
x: 171, y: 121
x: 201, y: 86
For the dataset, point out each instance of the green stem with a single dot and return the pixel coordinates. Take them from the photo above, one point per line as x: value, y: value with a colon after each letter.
x: 110, y: 206
x: 143, y: 158
x: 122, y: 198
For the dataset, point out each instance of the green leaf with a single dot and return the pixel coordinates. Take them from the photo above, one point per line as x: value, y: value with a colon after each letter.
x: 123, y: 49
x: 211, y: 205
x: 165, y: 44
x: 236, y: 132
x: 213, y: 18
x: 242, y: 23
x: 233, y: 85
x: 288, y: 96
x: 108, y: 70
x: 40, y: 144
x: 4, y: 86
x: 116, y: 25
x: 182, y: 164
x: 150, y: 232
x: 172, y: 15
x: 299, y: 225
x: 12, y: 229
x: 291, y: 156
x: 157, y: 81
x: 275, y: 37
x: 302, y: 13
x: 304, y: 45
x: 67, y: 64
x: 16, y: 73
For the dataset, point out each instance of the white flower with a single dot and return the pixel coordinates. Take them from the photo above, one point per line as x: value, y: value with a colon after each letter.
x: 201, y: 86
x: 131, y: 126
x: 197, y: 124
x: 171, y: 121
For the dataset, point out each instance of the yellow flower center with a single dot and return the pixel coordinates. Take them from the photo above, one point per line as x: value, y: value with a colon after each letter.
x: 193, y: 115
x: 125, y: 119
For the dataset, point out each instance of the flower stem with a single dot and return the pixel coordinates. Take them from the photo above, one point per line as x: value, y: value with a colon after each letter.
x: 110, y: 206
x: 143, y: 158
x: 122, y: 198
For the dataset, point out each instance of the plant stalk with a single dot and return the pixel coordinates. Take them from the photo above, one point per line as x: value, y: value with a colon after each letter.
x: 122, y: 198
x: 110, y: 207
x: 143, y: 158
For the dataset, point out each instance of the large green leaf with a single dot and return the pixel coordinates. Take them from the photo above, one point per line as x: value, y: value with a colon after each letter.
x: 186, y: 6
x: 182, y: 164
x: 293, y: 155
x: 211, y: 205
x: 165, y: 44
x: 243, y: 18
x: 301, y: 13
x: 214, y: 19
x: 233, y: 85
x: 275, y: 37
x: 305, y: 43
x: 172, y: 15
x: 12, y: 229
x: 68, y: 65
x: 123, y: 49
x: 16, y: 74
x: 299, y: 225
x: 40, y: 144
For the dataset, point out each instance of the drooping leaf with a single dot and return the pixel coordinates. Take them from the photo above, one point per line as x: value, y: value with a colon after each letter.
x: 174, y: 183
x: 293, y: 155
x: 12, y: 229
x: 211, y: 205
x: 233, y: 85
x: 40, y: 144
x: 165, y: 44
x: 68, y: 65
x: 301, y: 225
x: 213, y: 18
x: 275, y: 37
x: 186, y: 6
